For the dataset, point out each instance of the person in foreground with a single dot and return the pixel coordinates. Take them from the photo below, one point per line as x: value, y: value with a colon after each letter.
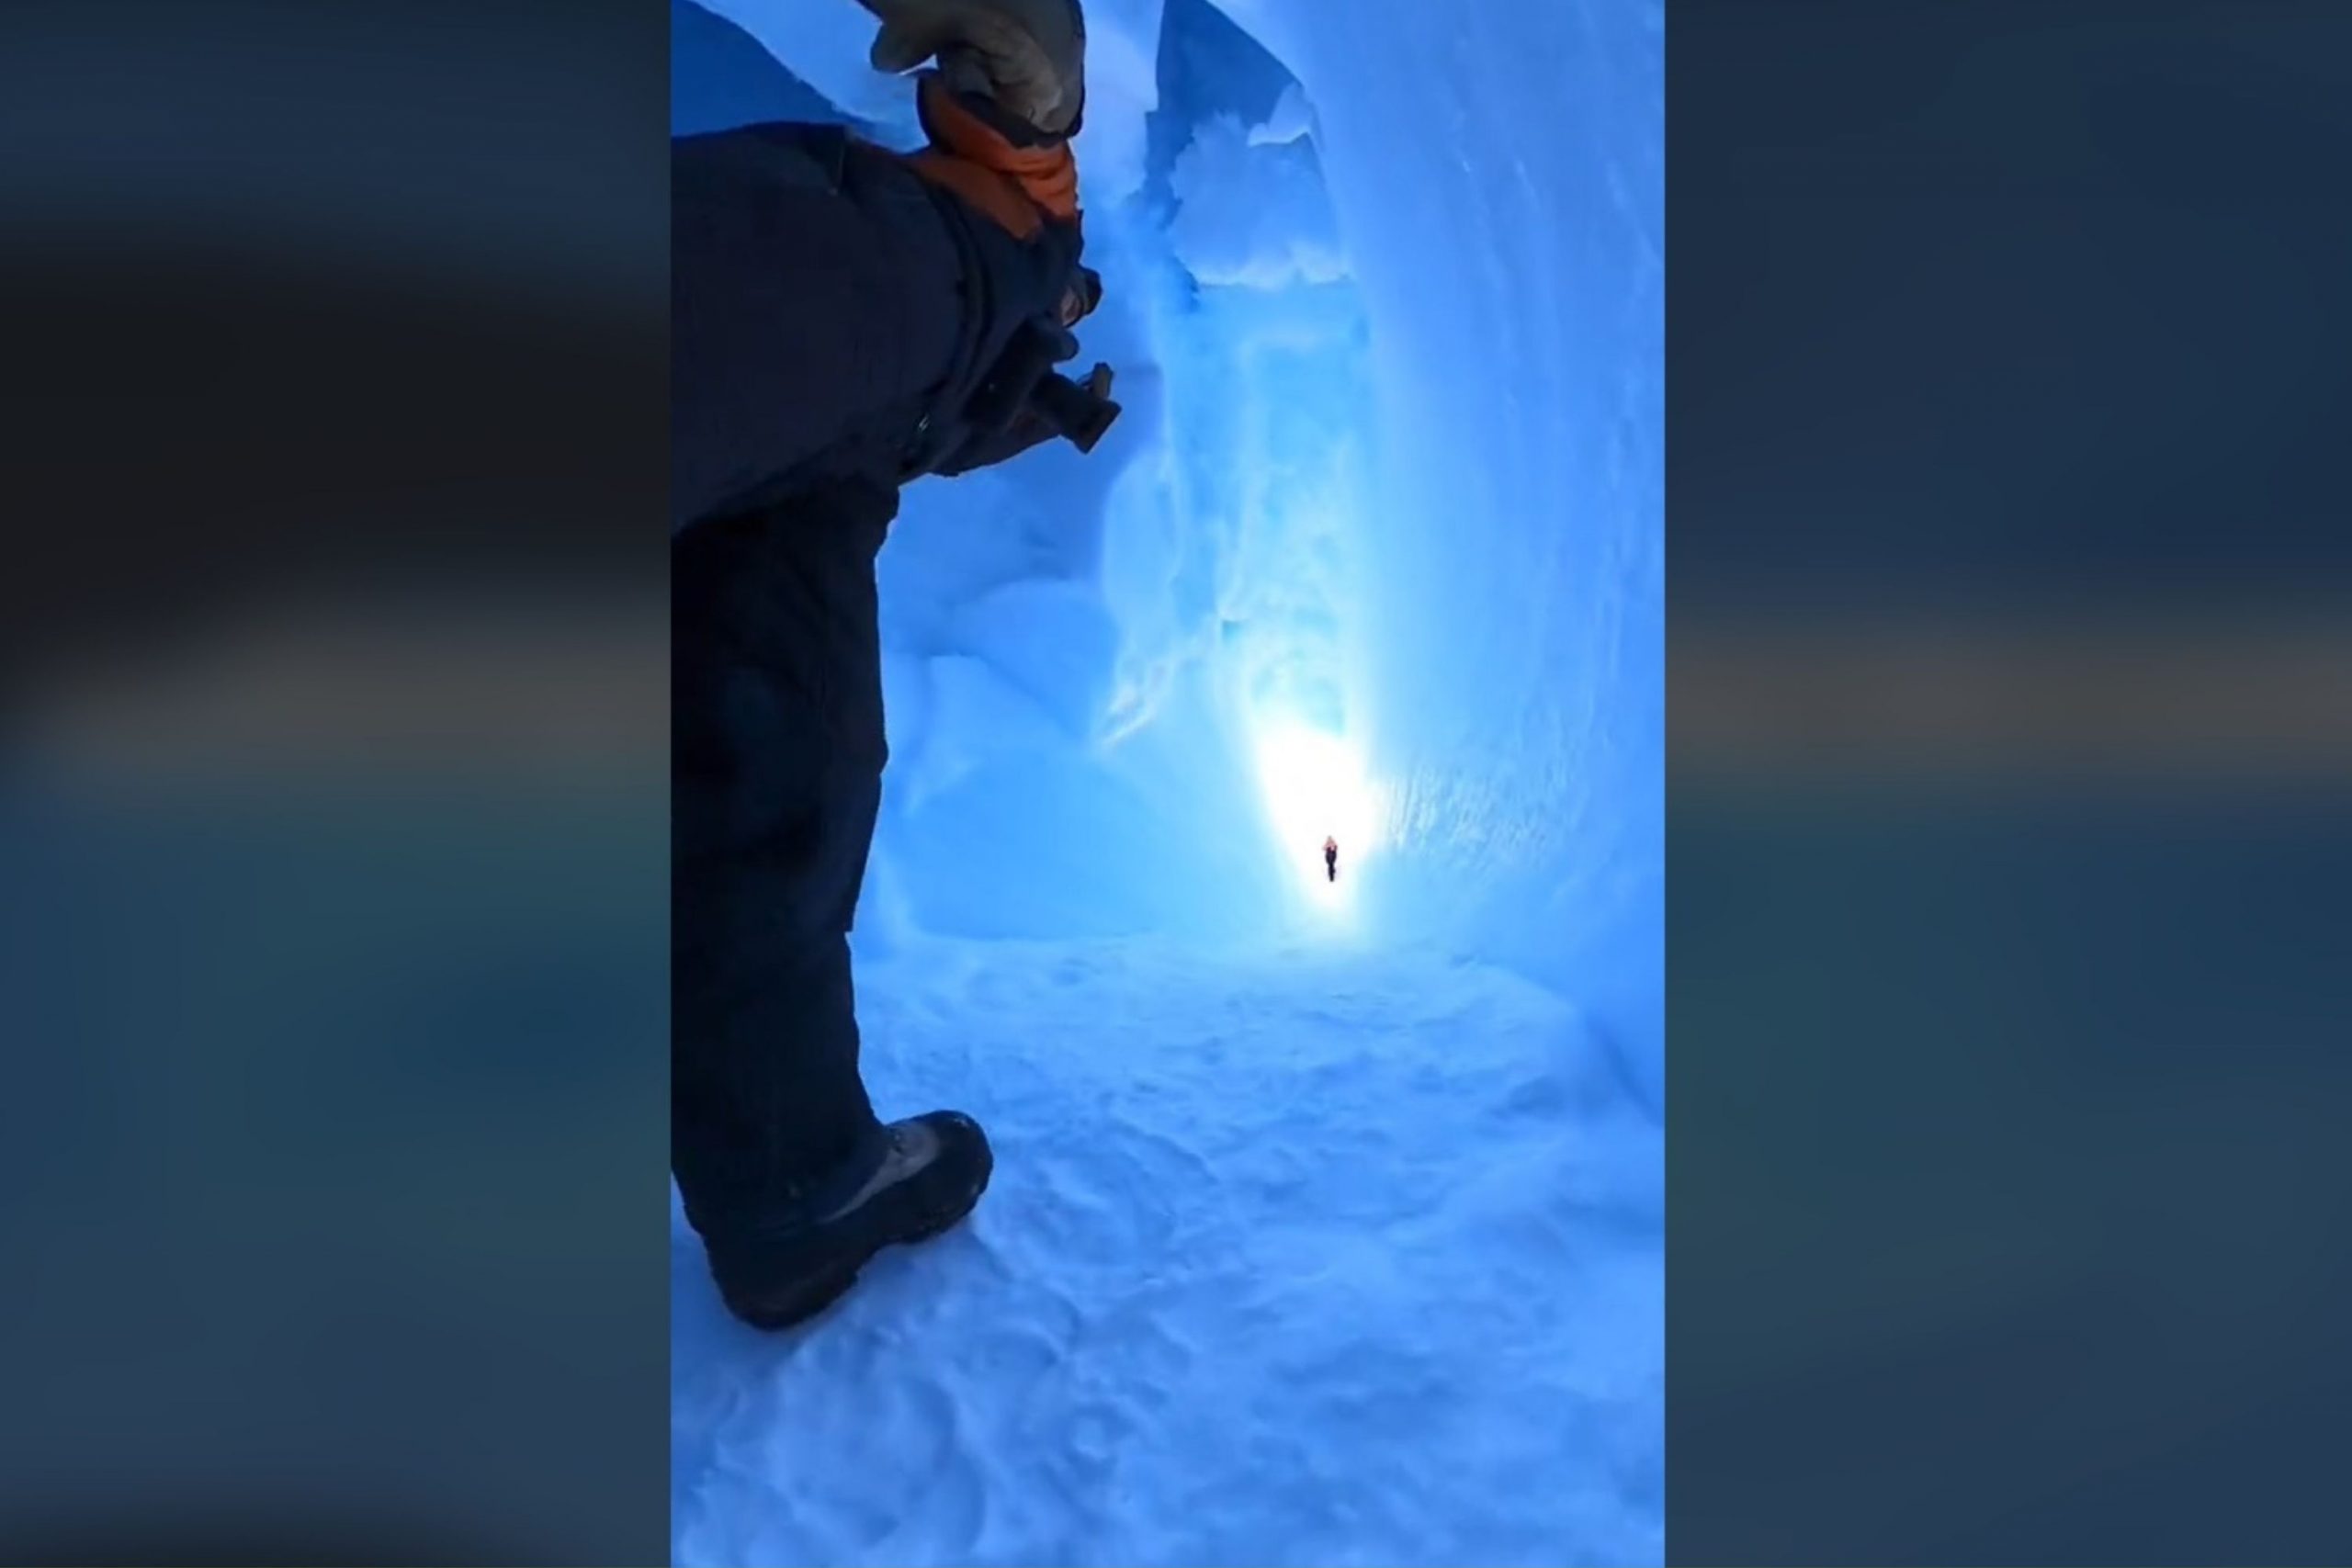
x: 843, y: 319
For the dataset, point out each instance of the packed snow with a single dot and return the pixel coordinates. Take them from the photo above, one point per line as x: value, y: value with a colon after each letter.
x: 1328, y: 1219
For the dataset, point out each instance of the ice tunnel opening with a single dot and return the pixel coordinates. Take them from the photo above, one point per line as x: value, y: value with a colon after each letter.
x: 1317, y: 794
x: 1259, y: 336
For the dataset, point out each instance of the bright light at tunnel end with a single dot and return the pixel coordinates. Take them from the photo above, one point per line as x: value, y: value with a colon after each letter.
x: 1315, y: 786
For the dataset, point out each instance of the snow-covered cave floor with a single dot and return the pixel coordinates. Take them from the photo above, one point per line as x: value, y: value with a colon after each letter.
x: 1316, y: 1260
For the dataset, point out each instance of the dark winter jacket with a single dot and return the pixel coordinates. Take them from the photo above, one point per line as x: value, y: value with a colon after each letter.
x: 836, y: 308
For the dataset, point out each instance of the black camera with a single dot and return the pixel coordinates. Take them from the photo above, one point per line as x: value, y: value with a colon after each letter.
x: 1026, y: 382
x: 1078, y: 412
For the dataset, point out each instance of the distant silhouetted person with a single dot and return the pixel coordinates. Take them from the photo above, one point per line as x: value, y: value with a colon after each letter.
x: 1331, y: 857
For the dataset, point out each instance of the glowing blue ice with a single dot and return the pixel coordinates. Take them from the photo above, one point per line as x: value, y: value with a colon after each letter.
x: 1329, y: 1217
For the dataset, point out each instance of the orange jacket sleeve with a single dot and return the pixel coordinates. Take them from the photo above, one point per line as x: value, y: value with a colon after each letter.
x: 1019, y: 187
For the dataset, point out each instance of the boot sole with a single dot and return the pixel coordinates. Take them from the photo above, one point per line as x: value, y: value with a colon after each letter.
x: 813, y: 1295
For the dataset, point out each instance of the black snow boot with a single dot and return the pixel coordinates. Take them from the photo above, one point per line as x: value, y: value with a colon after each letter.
x: 907, y: 1182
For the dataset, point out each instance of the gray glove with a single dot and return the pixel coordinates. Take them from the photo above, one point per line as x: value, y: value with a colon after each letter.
x: 1026, y: 58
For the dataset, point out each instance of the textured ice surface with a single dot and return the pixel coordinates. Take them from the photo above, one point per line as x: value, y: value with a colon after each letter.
x: 1327, y: 1224
x: 1309, y: 1258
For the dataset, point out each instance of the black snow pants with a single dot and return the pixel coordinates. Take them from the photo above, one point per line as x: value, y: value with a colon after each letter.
x: 816, y: 302
x: 777, y: 775
x: 827, y: 306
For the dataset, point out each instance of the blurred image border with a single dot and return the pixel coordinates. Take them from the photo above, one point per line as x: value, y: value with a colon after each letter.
x: 2009, y: 613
